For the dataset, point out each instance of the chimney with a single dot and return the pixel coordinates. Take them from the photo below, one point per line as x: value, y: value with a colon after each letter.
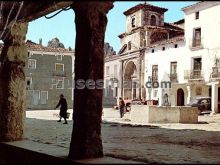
x: 40, y: 41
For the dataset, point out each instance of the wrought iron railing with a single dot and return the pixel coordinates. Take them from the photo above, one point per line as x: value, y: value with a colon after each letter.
x: 193, y: 74
x: 59, y: 73
x: 215, y: 72
x: 173, y: 77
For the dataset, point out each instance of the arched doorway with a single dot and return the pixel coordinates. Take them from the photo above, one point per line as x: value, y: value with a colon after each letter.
x: 130, y: 74
x: 180, y: 97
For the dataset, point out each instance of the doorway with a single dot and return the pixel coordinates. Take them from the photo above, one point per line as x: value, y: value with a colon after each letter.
x: 180, y: 97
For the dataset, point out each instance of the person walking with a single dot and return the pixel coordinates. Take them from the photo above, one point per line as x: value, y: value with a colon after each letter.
x: 63, y: 108
x: 121, y: 107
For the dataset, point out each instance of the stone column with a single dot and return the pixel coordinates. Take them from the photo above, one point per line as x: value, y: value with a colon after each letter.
x: 91, y: 20
x: 120, y: 78
x: 12, y: 83
x: 214, y: 98
x: 139, y: 96
x: 189, y: 92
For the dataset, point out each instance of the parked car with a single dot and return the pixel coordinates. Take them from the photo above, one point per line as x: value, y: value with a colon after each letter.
x: 203, y: 104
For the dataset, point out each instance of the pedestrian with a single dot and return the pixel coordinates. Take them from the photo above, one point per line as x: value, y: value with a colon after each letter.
x: 121, y: 107
x: 63, y: 108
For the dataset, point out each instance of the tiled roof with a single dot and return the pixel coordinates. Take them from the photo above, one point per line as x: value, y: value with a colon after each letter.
x: 168, y: 26
x: 146, y: 6
x: 187, y: 7
x: 179, y: 22
x: 167, y: 41
x: 37, y: 47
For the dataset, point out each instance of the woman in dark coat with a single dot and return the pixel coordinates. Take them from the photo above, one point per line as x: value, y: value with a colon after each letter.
x: 63, y: 108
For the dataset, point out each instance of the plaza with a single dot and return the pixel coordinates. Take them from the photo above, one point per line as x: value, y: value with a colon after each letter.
x: 133, y: 142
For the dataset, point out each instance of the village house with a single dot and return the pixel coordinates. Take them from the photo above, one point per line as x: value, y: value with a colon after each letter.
x: 190, y: 62
x: 49, y: 73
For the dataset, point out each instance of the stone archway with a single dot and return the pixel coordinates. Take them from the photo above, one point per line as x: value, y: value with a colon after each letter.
x: 180, y: 97
x: 130, y: 87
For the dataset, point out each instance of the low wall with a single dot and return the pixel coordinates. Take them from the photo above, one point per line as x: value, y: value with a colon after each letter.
x: 163, y: 114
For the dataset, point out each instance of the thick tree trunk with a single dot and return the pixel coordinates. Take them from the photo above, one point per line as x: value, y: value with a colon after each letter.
x: 12, y: 84
x: 91, y: 23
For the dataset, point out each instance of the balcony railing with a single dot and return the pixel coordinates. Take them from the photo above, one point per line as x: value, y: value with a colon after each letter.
x: 215, y: 72
x: 195, y: 44
x: 59, y: 73
x: 194, y: 74
x: 173, y: 77
x: 154, y: 78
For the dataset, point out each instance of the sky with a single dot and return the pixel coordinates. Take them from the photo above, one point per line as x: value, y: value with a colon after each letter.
x: 62, y: 25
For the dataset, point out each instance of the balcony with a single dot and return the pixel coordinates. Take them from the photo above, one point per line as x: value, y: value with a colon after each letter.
x: 59, y: 73
x: 215, y: 73
x: 154, y: 78
x: 193, y: 75
x: 173, y: 77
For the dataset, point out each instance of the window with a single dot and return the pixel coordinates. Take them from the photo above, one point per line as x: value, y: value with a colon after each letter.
x: 60, y: 83
x: 175, y: 46
x: 163, y: 48
x: 43, y: 97
x: 173, y: 67
x: 28, y: 82
x: 133, y: 22
x: 110, y: 91
x: 59, y: 57
x: 153, y: 20
x: 29, y: 54
x: 31, y: 63
x: 197, y: 15
x: 59, y: 67
x: 116, y: 91
x: 173, y: 71
x: 197, y: 66
x: 154, y: 73
x: 197, y: 37
x: 59, y: 70
x: 107, y: 70
x: 129, y: 45
x: 152, y: 51
x: 35, y: 97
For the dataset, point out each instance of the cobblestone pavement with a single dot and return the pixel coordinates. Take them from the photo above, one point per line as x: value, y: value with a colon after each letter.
x: 149, y: 143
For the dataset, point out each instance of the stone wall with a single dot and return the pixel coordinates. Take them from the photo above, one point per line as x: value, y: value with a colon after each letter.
x: 155, y: 114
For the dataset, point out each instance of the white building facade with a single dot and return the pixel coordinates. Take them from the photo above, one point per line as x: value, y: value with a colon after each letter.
x: 194, y: 61
x: 168, y: 62
x: 144, y: 26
